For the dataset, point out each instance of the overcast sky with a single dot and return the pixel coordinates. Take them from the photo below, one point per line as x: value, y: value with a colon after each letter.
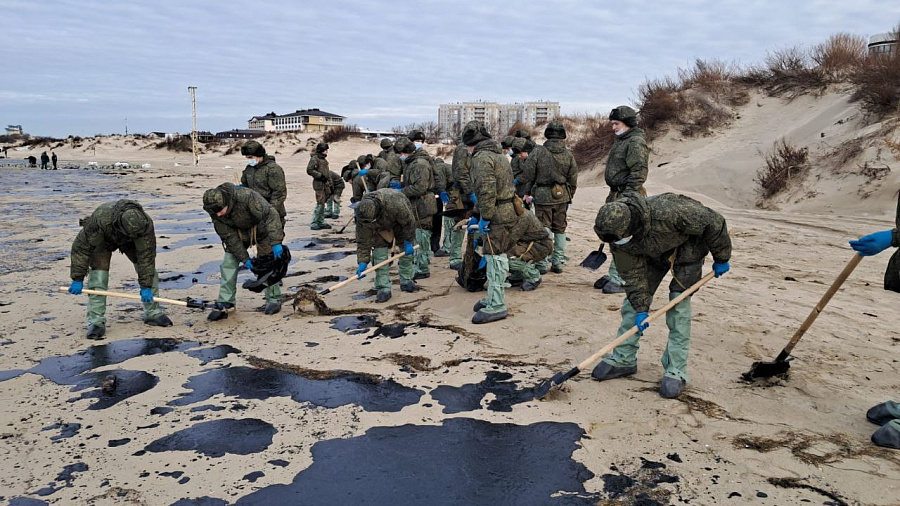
x: 81, y: 67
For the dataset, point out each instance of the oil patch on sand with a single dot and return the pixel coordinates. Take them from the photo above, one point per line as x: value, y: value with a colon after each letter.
x: 462, y: 461
x: 218, y: 437
x: 468, y: 397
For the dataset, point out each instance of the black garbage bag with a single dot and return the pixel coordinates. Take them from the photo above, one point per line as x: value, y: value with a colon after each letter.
x: 269, y: 270
x: 472, y: 276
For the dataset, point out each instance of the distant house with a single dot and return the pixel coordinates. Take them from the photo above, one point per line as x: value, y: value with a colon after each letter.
x: 301, y: 120
x: 205, y: 136
x: 239, y: 134
x: 883, y: 44
x: 14, y: 130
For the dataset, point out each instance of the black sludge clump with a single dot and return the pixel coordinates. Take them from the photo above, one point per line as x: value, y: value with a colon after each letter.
x: 218, y: 437
x: 463, y: 461
x: 468, y: 397
x: 336, y: 389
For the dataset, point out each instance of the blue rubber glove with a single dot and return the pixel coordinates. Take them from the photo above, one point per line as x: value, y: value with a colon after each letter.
x: 516, y: 181
x: 396, y: 185
x: 872, y: 244
x: 277, y: 250
x: 247, y: 264
x: 146, y: 295
x: 721, y: 268
x: 482, y: 263
x: 359, y: 270
x: 639, y: 321
x: 473, y: 221
x: 445, y: 197
x: 76, y: 287
x: 363, y: 172
x: 484, y: 226
x: 238, y: 186
x: 408, y: 248
x: 473, y: 198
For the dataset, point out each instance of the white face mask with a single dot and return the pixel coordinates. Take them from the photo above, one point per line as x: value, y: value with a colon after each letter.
x: 367, y: 167
x: 510, y: 153
x: 620, y: 133
x: 418, y: 145
x: 623, y: 241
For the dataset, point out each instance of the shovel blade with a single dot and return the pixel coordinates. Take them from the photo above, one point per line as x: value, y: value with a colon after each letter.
x: 197, y: 303
x: 594, y: 260
x: 760, y: 370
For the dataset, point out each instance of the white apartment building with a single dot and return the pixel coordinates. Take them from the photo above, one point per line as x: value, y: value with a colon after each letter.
x: 306, y: 120
x: 497, y: 117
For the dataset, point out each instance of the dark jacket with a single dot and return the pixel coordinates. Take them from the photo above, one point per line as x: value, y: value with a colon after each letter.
x: 396, y: 221
x: 418, y: 184
x: 393, y: 165
x: 318, y: 169
x: 267, y: 179
x: 550, y: 164
x: 247, y: 210
x: 493, y: 183
x: 101, y: 230
x: 892, y: 274
x: 626, y: 167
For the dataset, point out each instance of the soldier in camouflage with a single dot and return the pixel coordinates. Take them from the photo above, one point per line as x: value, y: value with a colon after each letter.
x: 460, y: 196
x: 530, y: 243
x: 494, y: 192
x: 383, y: 218
x: 333, y: 204
x: 392, y: 159
x: 375, y: 171
x: 318, y: 169
x: 626, y: 172
x: 121, y: 225
x: 520, y: 149
x: 418, y: 186
x: 264, y: 176
x: 443, y: 185
x: 886, y: 414
x: 550, y: 180
x: 651, y: 236
x: 241, y: 218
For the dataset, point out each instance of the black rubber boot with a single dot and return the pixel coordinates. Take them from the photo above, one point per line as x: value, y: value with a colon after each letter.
x: 600, y: 283
x: 220, y: 312
x: 482, y: 317
x: 409, y: 286
x: 530, y: 286
x: 160, y: 321
x: 383, y: 296
x: 441, y: 253
x: 606, y: 371
x: 272, y: 307
x: 478, y: 306
x: 96, y: 332
x: 422, y: 275
x: 671, y: 388
x: 612, y: 287
x: 556, y: 269
x: 456, y: 266
x: 879, y: 414
x: 887, y: 437
x: 324, y: 225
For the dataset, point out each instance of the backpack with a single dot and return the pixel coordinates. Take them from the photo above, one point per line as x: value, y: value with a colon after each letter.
x: 470, y: 276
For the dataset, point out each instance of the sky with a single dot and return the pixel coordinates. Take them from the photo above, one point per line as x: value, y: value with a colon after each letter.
x: 83, y: 67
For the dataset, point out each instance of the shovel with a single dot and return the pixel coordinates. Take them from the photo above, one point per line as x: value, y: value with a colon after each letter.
x: 543, y: 388
x: 191, y: 303
x: 782, y: 363
x: 341, y: 231
x: 595, y: 259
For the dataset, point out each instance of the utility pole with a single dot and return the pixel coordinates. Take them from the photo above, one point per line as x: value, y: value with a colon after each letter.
x: 194, y: 146
x: 126, y: 126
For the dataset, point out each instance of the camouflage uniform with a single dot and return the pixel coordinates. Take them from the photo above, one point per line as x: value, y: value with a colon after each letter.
x: 530, y: 243
x: 552, y: 167
x: 518, y: 165
x: 626, y: 170
x: 492, y: 182
x: 443, y: 182
x: 104, y: 232
x: 392, y: 161
x: 418, y: 186
x: 460, y: 201
x: 267, y: 179
x: 318, y: 169
x: 249, y: 216
x: 395, y: 224
x: 669, y: 232
x: 333, y: 204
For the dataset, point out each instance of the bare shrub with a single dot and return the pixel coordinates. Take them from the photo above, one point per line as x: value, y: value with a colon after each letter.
x: 699, y: 114
x: 784, y: 163
x: 593, y: 143
x: 180, y: 144
x: 846, y: 152
x: 433, y: 132
x: 234, y: 148
x: 519, y: 125
x: 839, y: 55
x: 876, y: 82
x: 445, y: 150
x: 340, y: 133
x: 791, y: 72
x: 659, y: 103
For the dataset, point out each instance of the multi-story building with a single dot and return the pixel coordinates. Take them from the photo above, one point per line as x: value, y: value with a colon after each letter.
x: 498, y: 117
x: 306, y: 120
x: 883, y: 44
x: 14, y: 130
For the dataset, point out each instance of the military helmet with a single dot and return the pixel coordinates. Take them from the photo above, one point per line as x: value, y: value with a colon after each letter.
x: 361, y: 160
x: 253, y: 148
x: 386, y: 143
x: 506, y: 143
x: 404, y: 145
x: 133, y: 222
x: 321, y: 147
x: 416, y: 135
x: 521, y: 144
x: 523, y: 133
x: 214, y: 200
x: 612, y: 222
x: 475, y: 132
x: 624, y: 114
x: 368, y: 210
x: 555, y: 130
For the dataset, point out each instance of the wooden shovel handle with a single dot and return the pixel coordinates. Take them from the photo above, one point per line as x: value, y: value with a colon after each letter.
x: 634, y: 330
x: 835, y: 286
x: 125, y: 296
x: 367, y: 271
x: 365, y: 186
